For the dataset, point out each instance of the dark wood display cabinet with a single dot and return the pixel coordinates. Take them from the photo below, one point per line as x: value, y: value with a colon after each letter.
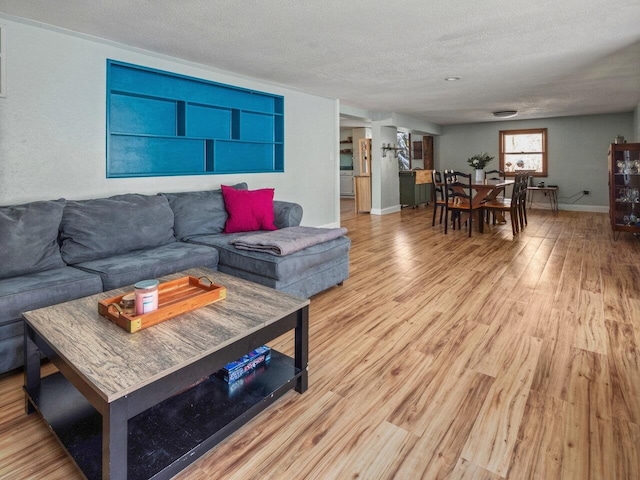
x: 624, y: 187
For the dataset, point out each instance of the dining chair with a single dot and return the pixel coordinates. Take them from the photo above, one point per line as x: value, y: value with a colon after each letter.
x: 511, y: 205
x: 438, y: 195
x: 459, y: 198
x: 497, y: 175
x: 500, y: 176
x: 522, y: 205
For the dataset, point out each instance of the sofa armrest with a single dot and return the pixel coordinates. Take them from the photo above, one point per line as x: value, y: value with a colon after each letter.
x: 287, y: 214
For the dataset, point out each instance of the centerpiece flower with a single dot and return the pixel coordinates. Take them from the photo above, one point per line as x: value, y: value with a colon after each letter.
x: 480, y: 160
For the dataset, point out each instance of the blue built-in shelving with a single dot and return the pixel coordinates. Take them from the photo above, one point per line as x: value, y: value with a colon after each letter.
x: 161, y: 123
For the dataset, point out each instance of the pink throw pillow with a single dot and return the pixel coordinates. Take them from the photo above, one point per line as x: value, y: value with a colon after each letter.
x: 249, y: 210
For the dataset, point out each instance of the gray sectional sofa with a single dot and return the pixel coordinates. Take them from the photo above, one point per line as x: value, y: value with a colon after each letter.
x: 59, y: 250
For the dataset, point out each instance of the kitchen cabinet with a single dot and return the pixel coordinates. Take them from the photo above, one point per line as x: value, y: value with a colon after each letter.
x: 362, y: 178
x: 363, y: 193
x: 624, y: 187
x: 363, y: 157
x: 346, y: 183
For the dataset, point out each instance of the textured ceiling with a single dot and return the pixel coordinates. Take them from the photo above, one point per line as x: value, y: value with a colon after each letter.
x: 543, y: 58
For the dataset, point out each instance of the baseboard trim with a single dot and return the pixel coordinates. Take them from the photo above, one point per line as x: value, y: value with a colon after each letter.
x: 386, y: 211
x: 573, y: 208
x: 584, y: 208
x: 330, y: 225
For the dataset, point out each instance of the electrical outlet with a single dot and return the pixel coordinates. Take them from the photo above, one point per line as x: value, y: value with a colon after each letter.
x: 585, y: 192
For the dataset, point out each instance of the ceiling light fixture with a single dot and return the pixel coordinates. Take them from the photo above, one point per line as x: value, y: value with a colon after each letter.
x: 452, y: 79
x: 505, y: 113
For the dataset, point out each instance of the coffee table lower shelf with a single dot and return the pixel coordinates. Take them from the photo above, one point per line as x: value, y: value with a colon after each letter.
x: 169, y: 436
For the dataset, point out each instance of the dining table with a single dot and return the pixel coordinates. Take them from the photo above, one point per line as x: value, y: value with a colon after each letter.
x: 487, y: 190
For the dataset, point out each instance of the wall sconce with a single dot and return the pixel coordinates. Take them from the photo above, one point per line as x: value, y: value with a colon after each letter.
x: 386, y: 148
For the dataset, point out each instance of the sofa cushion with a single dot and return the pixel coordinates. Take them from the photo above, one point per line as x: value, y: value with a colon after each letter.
x: 249, y: 210
x: 271, y: 266
x: 128, y: 268
x: 11, y: 349
x: 29, y: 238
x: 41, y: 289
x: 287, y: 214
x: 36, y: 290
x: 198, y: 213
x: 306, y: 283
x: 99, y: 228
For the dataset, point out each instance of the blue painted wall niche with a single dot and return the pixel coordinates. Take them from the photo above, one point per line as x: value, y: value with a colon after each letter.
x: 161, y: 123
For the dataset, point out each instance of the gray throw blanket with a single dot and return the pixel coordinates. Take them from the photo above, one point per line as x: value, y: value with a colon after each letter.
x: 287, y: 240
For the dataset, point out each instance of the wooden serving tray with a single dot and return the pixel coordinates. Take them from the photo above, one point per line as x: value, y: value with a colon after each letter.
x: 174, y: 297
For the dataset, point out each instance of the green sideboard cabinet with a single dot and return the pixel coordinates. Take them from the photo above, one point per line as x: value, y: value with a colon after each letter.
x: 414, y: 187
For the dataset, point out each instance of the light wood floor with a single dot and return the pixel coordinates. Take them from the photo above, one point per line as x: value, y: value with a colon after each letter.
x: 441, y: 357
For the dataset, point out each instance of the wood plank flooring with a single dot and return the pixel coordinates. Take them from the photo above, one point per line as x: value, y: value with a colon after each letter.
x: 442, y: 357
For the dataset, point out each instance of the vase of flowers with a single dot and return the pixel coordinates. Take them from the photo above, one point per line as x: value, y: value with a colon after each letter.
x: 478, y: 162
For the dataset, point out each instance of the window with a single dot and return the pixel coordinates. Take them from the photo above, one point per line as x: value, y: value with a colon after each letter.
x: 524, y: 150
x: 3, y: 63
x: 404, y: 159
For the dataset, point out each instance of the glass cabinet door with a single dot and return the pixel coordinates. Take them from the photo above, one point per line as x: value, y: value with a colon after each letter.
x: 625, y: 186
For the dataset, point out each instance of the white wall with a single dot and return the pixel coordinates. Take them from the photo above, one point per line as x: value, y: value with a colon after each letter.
x: 577, y: 149
x: 52, y: 127
x: 636, y: 124
x: 385, y: 181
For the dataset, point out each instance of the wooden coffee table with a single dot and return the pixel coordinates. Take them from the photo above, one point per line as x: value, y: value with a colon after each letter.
x: 146, y: 404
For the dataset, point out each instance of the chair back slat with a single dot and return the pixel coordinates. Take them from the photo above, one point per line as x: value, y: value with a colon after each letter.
x: 457, y: 187
x: 497, y: 175
x: 517, y: 188
x: 437, y: 195
x: 438, y: 186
